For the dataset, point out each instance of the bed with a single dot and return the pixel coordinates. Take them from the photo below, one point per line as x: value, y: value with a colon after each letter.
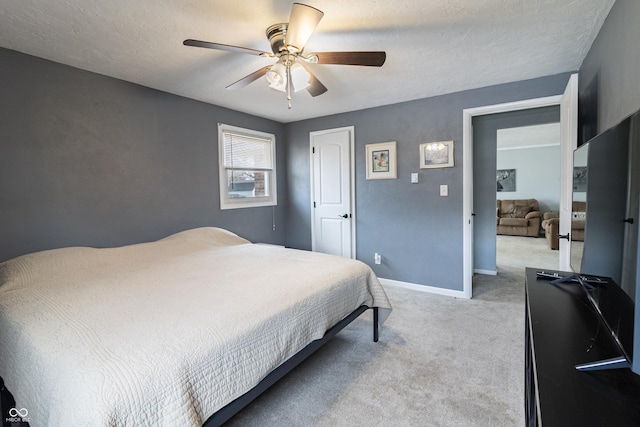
x: 174, y: 332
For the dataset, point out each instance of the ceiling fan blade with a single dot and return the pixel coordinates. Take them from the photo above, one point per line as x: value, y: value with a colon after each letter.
x: 250, y: 78
x: 229, y: 48
x: 303, y: 20
x: 315, y: 87
x: 368, y: 59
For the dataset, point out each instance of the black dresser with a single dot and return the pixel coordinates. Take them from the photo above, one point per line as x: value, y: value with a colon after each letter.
x: 563, y: 330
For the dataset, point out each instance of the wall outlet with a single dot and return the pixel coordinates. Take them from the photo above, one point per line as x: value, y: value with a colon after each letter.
x: 377, y: 258
x: 444, y: 190
x: 414, y: 177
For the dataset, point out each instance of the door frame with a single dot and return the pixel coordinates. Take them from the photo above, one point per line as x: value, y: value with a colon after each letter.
x: 352, y: 186
x: 568, y: 143
x: 467, y: 173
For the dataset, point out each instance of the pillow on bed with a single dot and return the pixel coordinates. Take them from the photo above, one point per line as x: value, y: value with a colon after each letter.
x: 62, y: 259
x: 212, y: 236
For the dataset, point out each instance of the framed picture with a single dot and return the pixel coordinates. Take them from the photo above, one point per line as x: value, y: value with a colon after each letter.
x: 382, y: 160
x: 579, y: 179
x: 436, y: 155
x: 505, y: 180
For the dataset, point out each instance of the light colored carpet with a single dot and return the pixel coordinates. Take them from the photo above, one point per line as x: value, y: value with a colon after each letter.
x: 518, y: 252
x: 440, y: 361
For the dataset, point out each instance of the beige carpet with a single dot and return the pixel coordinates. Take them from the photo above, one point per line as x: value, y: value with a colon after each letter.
x: 518, y: 252
x: 440, y: 361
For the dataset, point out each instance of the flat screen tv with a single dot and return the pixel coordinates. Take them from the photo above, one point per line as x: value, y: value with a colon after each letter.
x: 604, y: 232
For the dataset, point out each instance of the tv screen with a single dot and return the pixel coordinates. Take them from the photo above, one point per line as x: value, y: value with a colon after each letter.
x: 601, y: 206
x: 604, y: 231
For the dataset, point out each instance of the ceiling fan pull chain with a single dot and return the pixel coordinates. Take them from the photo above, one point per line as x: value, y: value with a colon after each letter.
x: 289, y: 83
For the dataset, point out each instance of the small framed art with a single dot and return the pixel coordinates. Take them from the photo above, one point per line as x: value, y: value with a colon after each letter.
x: 579, y: 179
x: 436, y: 155
x: 506, y: 180
x: 382, y: 160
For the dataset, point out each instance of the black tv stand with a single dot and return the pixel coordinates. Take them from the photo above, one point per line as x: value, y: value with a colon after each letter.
x: 619, y: 362
x: 563, y: 330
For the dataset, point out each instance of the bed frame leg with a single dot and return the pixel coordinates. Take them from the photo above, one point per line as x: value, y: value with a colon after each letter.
x: 375, y: 324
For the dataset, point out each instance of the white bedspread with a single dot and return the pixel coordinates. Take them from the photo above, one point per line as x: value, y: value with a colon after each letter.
x: 164, y: 333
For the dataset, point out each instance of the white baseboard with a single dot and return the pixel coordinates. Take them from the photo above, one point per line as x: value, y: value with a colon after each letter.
x: 486, y: 272
x: 423, y: 288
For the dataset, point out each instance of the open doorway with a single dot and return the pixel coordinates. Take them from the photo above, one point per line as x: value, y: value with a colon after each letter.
x: 568, y: 103
x: 528, y: 168
x: 525, y: 167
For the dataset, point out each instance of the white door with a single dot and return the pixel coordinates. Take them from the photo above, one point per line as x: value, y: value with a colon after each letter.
x: 332, y: 184
x: 568, y: 143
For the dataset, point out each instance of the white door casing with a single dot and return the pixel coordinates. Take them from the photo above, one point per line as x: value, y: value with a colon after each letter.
x: 568, y: 143
x: 332, y: 191
x: 467, y: 170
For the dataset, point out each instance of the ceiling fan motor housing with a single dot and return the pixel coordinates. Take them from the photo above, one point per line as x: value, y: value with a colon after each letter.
x: 276, y: 35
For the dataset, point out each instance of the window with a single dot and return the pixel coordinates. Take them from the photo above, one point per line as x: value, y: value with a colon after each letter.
x: 247, y: 167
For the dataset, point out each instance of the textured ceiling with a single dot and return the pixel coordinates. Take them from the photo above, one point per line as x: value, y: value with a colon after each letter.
x: 433, y: 46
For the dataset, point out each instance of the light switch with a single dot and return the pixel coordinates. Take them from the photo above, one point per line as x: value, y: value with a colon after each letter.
x: 414, y: 178
x: 444, y: 190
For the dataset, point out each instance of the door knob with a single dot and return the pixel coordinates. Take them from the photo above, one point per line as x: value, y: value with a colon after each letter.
x: 344, y: 216
x: 564, y: 236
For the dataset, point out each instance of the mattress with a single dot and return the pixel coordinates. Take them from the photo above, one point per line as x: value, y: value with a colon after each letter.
x: 166, y: 332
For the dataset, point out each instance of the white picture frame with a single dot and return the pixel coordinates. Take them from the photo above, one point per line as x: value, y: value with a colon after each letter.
x: 436, y: 155
x: 382, y: 161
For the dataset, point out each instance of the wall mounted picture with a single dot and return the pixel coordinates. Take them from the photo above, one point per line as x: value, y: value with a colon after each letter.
x: 381, y: 160
x: 436, y: 155
x: 506, y: 180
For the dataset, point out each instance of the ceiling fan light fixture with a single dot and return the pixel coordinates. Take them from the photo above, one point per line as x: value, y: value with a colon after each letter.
x: 279, y: 87
x: 277, y: 76
x: 299, y: 77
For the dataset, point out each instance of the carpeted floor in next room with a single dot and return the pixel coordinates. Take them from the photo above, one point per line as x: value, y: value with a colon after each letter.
x: 440, y: 361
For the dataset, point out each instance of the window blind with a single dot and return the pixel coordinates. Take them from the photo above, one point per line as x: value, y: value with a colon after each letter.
x: 242, y: 152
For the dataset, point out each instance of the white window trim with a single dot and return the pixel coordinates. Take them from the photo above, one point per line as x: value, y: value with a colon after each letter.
x: 236, y: 203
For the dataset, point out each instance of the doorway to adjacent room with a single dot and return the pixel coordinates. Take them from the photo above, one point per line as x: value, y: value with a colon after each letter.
x: 472, y: 156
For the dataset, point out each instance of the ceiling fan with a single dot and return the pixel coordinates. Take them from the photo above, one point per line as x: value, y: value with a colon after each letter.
x: 287, y: 43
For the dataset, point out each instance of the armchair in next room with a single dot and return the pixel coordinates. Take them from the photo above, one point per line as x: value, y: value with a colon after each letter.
x: 551, y: 225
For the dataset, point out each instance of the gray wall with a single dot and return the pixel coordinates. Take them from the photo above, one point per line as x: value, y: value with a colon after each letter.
x: 417, y: 232
x: 485, y: 130
x: 537, y: 175
x: 609, y: 81
x: 90, y: 160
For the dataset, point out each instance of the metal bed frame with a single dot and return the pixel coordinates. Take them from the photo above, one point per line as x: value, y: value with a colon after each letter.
x: 224, y: 414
